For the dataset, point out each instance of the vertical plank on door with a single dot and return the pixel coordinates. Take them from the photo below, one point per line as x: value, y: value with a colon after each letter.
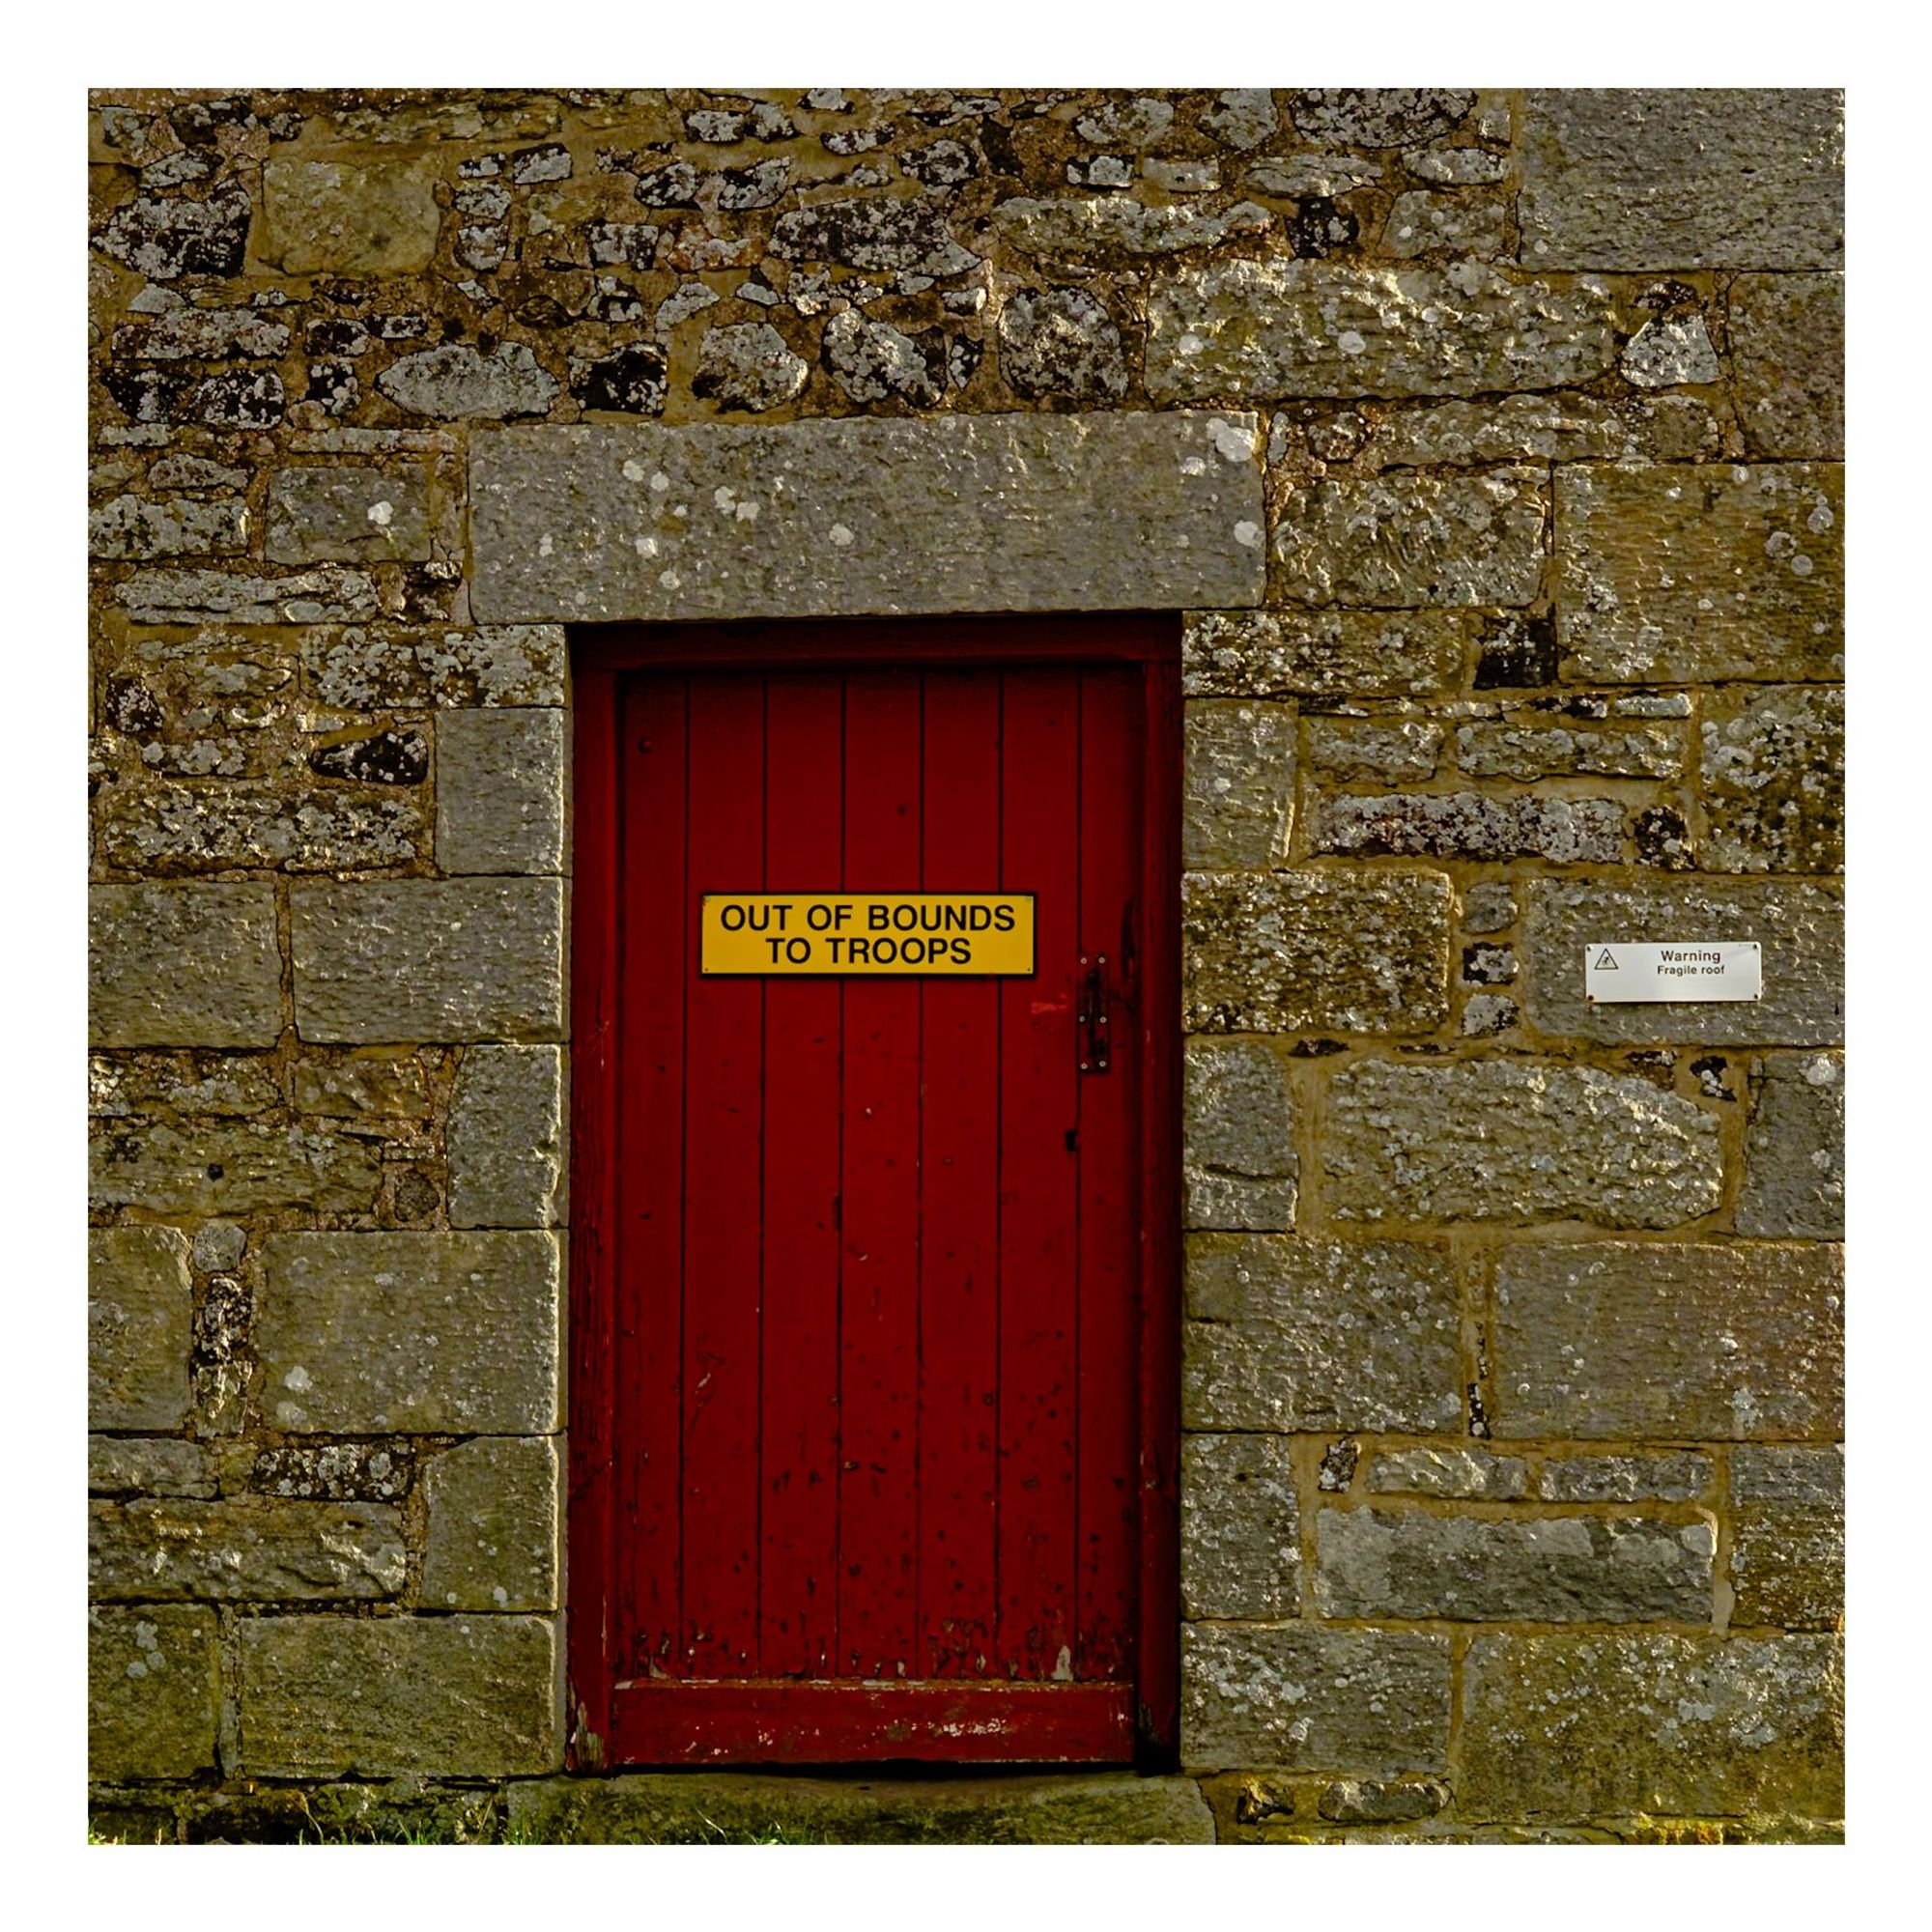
x: 1038, y: 1175
x: 724, y: 1133
x: 959, y: 1139
x: 799, y: 1441
x: 878, y: 1497
x: 649, y: 1196
x: 1108, y: 1507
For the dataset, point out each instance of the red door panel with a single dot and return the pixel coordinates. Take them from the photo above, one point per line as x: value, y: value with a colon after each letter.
x: 869, y: 1256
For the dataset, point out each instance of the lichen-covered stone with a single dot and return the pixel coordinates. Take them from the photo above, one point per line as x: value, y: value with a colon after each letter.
x: 1681, y: 575
x: 345, y: 217
x: 1060, y: 342
x: 150, y: 1466
x: 631, y: 381
x: 1670, y: 350
x: 332, y: 512
x: 683, y: 1808
x: 1467, y: 1474
x: 1505, y: 1141
x: 238, y: 1167
x: 1635, y: 1724
x: 1315, y: 1699
x: 1698, y: 1341
x: 425, y: 960
x: 1524, y: 745
x: 1799, y: 928
x: 506, y: 1137
x: 166, y: 828
x: 1364, y: 952
x: 1005, y: 512
x: 872, y: 360
x: 492, y: 1542
x: 1592, y: 1569
x: 1683, y: 177
x: 1774, y: 780
x: 1360, y: 747
x: 1474, y: 228
x: 1376, y: 1800
x: 406, y: 1333
x: 1073, y: 230
x: 748, y: 366
x: 246, y: 1548
x: 1286, y: 1334
x: 139, y: 1303
x: 1239, y: 788
x: 1243, y: 117
x: 374, y: 757
x: 184, y: 965
x: 1567, y: 428
x: 1402, y: 538
x: 1321, y: 653
x: 166, y: 237
x: 328, y: 594
x: 1240, y: 1552
x: 1788, y: 1537
x: 1379, y: 117
x: 1261, y: 329
x: 1787, y: 340
x: 452, y: 1696
x: 226, y: 1084
x: 135, y: 526
x: 1670, y: 1476
x: 456, y: 382
x: 907, y: 236
x: 153, y: 1693
x: 342, y: 1472
x: 1794, y: 1148
x: 499, y: 663
x: 1238, y: 1138
x: 499, y: 791
x: 1470, y: 825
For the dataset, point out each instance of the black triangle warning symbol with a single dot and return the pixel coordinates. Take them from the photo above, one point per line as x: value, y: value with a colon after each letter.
x: 1604, y: 962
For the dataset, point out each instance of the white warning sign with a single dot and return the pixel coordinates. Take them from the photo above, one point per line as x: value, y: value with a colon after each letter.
x: 1617, y: 972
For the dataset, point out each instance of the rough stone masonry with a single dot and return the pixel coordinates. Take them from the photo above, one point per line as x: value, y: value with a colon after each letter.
x: 1513, y: 1376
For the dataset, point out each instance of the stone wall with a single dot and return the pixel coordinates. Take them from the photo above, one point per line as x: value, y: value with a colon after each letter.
x: 1512, y: 1493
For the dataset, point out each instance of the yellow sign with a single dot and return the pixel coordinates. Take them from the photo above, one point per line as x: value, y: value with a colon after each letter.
x: 959, y: 934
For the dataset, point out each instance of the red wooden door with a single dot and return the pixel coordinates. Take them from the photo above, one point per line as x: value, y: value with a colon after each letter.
x: 877, y: 1477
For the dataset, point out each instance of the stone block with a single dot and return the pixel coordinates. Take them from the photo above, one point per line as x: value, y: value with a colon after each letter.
x: 1067, y: 229
x: 1470, y: 825
x: 1788, y: 1537
x: 1683, y: 177
x: 1405, y: 538
x: 1467, y: 1474
x: 1312, y: 1699
x: 1522, y: 746
x: 458, y: 1696
x: 1799, y: 928
x: 138, y: 1310
x: 1612, y: 1725
x: 346, y: 217
x: 225, y: 1085
x: 1794, y: 1148
x: 1360, y: 951
x: 505, y: 1138
x: 500, y: 782
x: 1240, y: 1551
x: 457, y: 381
x: 340, y: 513
x: 1669, y: 1476
x: 1237, y: 1135
x: 427, y: 959
x: 366, y: 1087
x: 237, y: 1168
x: 1237, y: 799
x: 1369, y: 748
x: 245, y: 1548
x: 354, y: 669
x: 492, y: 1542
x: 1473, y: 228
x: 328, y: 594
x: 1296, y: 1335
x: 1788, y: 364
x: 151, y: 1465
x: 1671, y: 1341
x: 409, y: 1334
x: 1128, y: 511
x: 1325, y: 653
x: 174, y: 828
x: 1684, y: 575
x: 1567, y: 428
x: 1262, y: 330
x: 1774, y: 780
x: 184, y: 965
x: 1590, y: 1569
x: 133, y: 526
x: 702, y: 1807
x: 153, y: 1693
x: 1516, y: 1142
